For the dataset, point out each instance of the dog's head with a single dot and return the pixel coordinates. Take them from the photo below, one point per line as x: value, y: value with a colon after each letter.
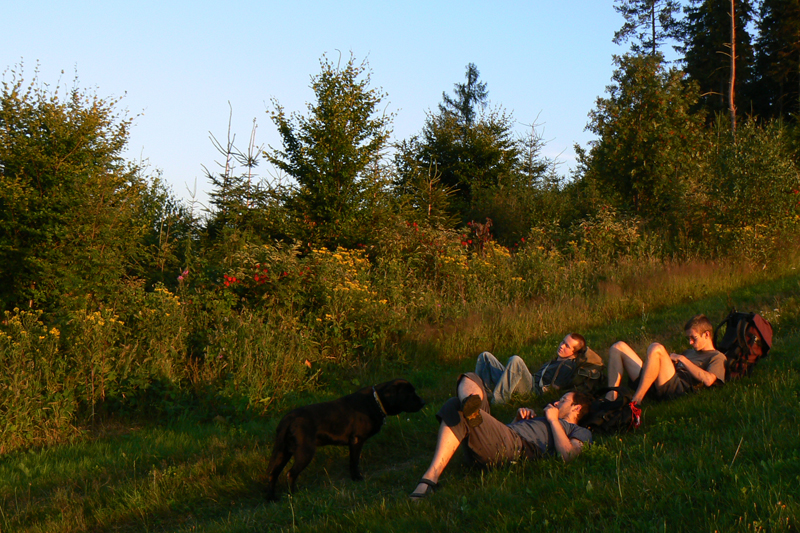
x: 399, y: 396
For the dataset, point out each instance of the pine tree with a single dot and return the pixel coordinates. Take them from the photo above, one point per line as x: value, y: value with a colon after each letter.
x: 649, y: 23
x: 707, y: 49
x: 468, y: 97
x: 469, y: 148
x: 332, y: 153
x: 71, y: 216
x: 777, y: 65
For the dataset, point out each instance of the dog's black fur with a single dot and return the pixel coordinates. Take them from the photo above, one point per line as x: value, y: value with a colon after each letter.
x: 348, y: 421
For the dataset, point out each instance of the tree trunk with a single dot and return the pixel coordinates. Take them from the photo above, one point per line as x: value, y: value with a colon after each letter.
x: 653, y: 22
x: 731, y: 91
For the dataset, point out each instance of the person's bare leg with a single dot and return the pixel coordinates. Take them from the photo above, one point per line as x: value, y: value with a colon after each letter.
x: 658, y: 368
x: 446, y: 446
x: 467, y: 387
x: 446, y: 442
x: 621, y: 359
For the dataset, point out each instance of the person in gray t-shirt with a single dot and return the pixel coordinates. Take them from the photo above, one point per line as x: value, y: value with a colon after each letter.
x: 467, y: 418
x: 669, y: 375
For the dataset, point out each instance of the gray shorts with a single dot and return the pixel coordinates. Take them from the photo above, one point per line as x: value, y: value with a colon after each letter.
x: 490, y: 443
x: 678, y: 385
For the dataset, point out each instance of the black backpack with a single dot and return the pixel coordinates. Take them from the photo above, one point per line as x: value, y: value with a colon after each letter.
x: 746, y: 339
x: 588, y: 375
x: 612, y: 416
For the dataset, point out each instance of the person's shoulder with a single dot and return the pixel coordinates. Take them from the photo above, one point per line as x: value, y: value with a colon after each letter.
x: 713, y: 354
x: 574, y: 431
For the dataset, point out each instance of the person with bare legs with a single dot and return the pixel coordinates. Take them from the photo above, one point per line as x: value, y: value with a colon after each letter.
x: 669, y: 375
x: 467, y: 417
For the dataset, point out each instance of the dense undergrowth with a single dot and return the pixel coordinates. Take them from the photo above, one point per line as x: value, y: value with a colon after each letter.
x: 281, y: 320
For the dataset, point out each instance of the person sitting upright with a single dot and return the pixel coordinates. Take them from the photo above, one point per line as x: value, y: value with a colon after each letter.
x: 467, y: 417
x: 669, y: 375
x: 515, y: 377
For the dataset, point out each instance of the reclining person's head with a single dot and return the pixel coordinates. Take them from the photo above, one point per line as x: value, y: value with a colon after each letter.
x: 584, y: 400
x: 581, y: 348
x: 699, y: 331
x: 573, y: 345
x: 699, y: 323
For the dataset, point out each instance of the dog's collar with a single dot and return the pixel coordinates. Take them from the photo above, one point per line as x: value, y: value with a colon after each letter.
x: 378, y: 401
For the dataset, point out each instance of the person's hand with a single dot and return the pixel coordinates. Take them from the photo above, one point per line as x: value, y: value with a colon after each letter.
x: 676, y: 358
x: 525, y: 413
x: 551, y: 412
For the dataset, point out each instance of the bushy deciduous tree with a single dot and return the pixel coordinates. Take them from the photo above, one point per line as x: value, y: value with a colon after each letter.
x: 70, y: 217
x: 755, y: 183
x: 647, y: 157
x: 334, y: 154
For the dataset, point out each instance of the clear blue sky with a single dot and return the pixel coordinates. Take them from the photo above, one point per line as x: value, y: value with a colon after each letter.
x: 178, y: 64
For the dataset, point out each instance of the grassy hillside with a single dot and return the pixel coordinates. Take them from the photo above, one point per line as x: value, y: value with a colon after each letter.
x: 726, y: 459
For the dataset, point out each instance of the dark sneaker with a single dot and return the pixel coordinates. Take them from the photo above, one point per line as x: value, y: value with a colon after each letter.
x: 471, y: 409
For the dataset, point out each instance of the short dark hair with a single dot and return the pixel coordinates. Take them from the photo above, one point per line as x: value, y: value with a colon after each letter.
x: 699, y: 323
x: 584, y: 400
x: 581, y: 342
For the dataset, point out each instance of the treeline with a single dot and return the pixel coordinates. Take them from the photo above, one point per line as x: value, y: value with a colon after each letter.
x: 119, y: 296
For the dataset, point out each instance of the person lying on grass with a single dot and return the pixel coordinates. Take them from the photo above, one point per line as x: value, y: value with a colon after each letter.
x: 669, y: 375
x: 515, y: 376
x: 467, y: 417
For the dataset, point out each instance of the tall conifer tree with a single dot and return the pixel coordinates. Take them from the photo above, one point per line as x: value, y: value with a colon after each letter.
x: 469, y: 148
x: 778, y: 59
x: 707, y: 49
x: 648, y: 23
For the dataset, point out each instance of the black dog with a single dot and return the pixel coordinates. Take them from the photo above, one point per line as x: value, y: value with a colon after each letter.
x: 348, y: 421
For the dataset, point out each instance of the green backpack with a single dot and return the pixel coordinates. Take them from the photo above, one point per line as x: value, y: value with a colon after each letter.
x: 589, y: 375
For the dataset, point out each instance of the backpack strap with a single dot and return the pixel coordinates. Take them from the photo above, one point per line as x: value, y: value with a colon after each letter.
x: 728, y: 319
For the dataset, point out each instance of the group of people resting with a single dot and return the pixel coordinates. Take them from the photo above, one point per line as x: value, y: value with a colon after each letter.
x: 467, y: 416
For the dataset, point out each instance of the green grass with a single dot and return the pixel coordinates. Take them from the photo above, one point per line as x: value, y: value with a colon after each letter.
x: 726, y: 459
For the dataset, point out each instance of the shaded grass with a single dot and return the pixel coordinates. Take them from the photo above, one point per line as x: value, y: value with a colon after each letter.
x: 727, y: 459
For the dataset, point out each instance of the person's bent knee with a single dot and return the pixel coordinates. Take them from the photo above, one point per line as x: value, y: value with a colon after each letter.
x: 516, y: 360
x: 656, y: 346
x: 619, y: 347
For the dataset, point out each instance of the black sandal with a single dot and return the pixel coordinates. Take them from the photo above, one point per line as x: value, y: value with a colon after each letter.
x: 432, y: 487
x: 471, y: 409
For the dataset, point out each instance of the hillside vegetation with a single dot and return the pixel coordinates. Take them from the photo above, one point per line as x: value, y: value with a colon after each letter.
x: 148, y: 346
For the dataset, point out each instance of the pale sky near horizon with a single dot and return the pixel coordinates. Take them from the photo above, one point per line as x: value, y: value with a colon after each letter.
x: 177, y: 65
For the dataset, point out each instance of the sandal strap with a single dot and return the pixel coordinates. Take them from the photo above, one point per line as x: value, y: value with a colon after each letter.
x: 432, y: 484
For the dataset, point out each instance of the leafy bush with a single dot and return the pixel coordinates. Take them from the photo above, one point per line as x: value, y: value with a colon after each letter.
x: 756, y: 187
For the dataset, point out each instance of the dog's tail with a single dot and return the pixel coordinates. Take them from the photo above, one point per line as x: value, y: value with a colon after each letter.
x: 281, y: 435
